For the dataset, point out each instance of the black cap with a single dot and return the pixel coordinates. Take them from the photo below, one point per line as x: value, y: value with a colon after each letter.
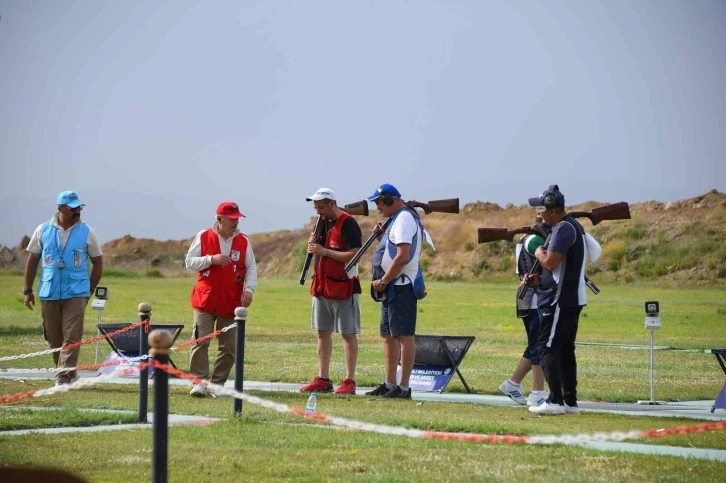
x: 550, y: 198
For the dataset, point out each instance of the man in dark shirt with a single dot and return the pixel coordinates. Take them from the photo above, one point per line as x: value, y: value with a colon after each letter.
x: 335, y: 292
x: 560, y: 297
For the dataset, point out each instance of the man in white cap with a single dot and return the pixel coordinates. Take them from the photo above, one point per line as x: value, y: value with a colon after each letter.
x: 64, y: 245
x: 335, y: 292
x: 226, y: 279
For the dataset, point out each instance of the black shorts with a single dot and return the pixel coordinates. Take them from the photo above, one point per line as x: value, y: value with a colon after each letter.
x: 398, y: 317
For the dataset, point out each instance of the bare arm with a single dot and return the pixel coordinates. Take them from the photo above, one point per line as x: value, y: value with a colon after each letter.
x: 549, y: 260
x: 96, y: 271
x: 31, y: 269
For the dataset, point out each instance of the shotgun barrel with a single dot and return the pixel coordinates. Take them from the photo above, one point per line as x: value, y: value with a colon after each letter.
x: 309, y: 256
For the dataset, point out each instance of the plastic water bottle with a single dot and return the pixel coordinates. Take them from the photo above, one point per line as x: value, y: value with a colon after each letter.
x: 312, y: 403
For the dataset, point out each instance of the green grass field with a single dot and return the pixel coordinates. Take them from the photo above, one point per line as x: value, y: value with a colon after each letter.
x: 281, y: 347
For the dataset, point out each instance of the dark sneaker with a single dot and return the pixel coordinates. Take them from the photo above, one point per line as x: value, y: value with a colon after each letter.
x: 398, y: 393
x: 318, y: 385
x: 379, y: 391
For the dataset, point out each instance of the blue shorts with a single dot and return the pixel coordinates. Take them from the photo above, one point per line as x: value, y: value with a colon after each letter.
x: 532, y: 325
x: 398, y: 317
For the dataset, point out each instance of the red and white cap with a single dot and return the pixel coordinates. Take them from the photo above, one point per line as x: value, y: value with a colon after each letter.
x: 229, y: 209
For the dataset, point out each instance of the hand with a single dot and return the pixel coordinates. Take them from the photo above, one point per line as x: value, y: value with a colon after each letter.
x: 535, y: 279
x: 378, y: 286
x: 246, y: 299
x: 315, y: 248
x: 29, y: 301
x: 221, y: 260
x: 313, y: 237
x: 378, y: 228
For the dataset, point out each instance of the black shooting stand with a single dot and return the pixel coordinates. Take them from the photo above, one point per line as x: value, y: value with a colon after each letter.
x: 126, y: 344
x: 443, y: 351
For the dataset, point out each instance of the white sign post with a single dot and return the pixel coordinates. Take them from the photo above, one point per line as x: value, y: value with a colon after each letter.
x: 98, y: 304
x: 652, y: 323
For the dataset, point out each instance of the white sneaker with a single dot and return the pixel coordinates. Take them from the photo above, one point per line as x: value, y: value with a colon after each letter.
x: 514, y: 392
x: 198, y: 391
x: 537, y: 398
x: 571, y: 409
x: 548, y: 408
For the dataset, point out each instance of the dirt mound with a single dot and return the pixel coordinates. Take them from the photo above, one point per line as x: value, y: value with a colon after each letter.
x: 692, y: 229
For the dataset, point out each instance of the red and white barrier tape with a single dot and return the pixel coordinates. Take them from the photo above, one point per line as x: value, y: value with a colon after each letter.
x: 218, y: 390
x: 74, y: 345
x: 101, y: 337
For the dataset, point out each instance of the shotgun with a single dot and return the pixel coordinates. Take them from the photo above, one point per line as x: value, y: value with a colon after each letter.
x: 616, y: 211
x: 449, y: 205
x: 357, y: 208
x: 317, y: 232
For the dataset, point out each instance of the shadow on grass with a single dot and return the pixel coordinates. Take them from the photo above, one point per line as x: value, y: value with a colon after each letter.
x: 15, y: 330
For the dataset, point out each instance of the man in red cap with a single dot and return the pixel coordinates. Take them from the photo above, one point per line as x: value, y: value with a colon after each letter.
x: 227, y: 276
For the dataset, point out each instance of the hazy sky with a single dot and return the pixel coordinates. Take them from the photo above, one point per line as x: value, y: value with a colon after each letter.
x: 154, y: 112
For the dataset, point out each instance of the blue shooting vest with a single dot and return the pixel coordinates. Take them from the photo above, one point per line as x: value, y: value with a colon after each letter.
x: 72, y: 280
x: 418, y: 285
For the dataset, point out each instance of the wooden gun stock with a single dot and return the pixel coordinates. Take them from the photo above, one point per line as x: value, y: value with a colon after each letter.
x: 486, y: 235
x: 616, y: 211
x: 357, y: 208
x: 450, y: 205
x: 309, y: 256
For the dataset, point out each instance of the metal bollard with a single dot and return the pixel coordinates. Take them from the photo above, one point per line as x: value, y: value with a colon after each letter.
x: 144, y: 315
x: 240, y: 316
x: 160, y: 342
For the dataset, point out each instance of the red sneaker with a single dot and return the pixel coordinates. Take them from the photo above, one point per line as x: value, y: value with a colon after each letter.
x: 347, y: 386
x: 318, y: 385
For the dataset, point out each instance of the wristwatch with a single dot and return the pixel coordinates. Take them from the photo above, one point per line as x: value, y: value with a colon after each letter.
x: 27, y: 291
x: 325, y: 252
x: 384, y: 283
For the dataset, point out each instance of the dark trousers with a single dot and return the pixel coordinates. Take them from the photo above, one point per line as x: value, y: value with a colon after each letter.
x: 556, y: 346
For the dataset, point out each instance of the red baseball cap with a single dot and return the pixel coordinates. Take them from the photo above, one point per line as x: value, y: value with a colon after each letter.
x: 229, y: 209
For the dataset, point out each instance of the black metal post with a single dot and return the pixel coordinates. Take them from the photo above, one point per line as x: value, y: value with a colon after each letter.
x: 144, y: 315
x: 160, y: 341
x: 240, y: 316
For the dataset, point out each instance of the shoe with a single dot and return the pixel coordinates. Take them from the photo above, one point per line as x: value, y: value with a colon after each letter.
x: 318, y: 385
x: 572, y: 409
x: 70, y: 381
x: 514, y: 392
x: 379, y: 391
x: 548, y: 408
x: 198, y: 391
x: 397, y: 393
x: 535, y: 399
x: 347, y: 386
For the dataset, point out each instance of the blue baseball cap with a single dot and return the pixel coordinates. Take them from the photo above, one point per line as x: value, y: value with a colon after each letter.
x: 70, y: 199
x: 550, y: 198
x: 384, y: 190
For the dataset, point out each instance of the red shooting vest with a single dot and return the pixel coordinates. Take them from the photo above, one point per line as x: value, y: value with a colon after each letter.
x: 219, y: 289
x: 330, y: 279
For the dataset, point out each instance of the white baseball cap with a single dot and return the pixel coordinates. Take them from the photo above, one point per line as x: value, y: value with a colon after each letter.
x: 322, y: 194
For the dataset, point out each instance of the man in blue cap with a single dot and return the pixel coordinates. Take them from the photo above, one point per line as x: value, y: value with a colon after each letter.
x: 64, y: 245
x: 560, y: 298
x: 395, y: 267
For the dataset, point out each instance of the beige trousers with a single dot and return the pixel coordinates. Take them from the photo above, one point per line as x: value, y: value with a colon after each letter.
x: 204, y: 324
x: 63, y: 325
